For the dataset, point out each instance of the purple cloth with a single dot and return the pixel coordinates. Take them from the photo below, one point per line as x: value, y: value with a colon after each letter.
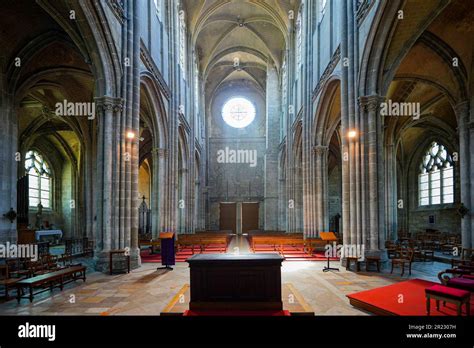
x: 462, y: 283
x: 167, y: 251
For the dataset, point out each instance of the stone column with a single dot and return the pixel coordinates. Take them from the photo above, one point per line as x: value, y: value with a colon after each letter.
x: 271, y: 153
x: 8, y: 163
x: 375, y: 174
x: 465, y: 131
x: 106, y: 234
x: 391, y: 192
x: 320, y: 181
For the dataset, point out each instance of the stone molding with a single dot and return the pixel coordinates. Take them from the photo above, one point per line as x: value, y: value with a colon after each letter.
x: 320, y: 150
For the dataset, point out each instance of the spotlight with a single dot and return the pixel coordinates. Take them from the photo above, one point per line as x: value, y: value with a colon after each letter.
x: 352, y: 134
x: 130, y: 135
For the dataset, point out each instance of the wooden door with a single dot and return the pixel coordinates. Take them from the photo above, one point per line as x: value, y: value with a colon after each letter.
x: 249, y: 217
x: 228, y: 217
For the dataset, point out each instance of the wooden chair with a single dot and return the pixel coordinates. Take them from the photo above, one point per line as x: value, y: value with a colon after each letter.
x: 5, y: 279
x: 405, y: 258
x: 391, y: 248
x: 18, y: 268
x: 428, y: 250
x: 467, y: 257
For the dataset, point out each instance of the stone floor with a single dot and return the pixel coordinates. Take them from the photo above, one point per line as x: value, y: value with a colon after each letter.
x: 147, y: 291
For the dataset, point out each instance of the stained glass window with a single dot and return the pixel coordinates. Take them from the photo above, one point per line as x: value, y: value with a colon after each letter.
x: 39, y: 180
x: 238, y: 112
x: 436, y: 178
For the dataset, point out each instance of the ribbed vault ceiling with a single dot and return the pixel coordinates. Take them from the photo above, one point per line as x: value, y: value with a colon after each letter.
x: 254, y: 31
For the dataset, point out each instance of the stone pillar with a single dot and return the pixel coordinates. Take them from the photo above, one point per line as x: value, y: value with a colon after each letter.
x: 320, y: 181
x: 159, y: 190
x: 465, y: 131
x: 375, y: 170
x: 391, y: 192
x: 107, y: 233
x: 271, y: 153
x: 8, y: 163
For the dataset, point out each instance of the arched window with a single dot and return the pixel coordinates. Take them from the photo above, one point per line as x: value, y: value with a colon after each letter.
x: 39, y: 180
x: 436, y: 179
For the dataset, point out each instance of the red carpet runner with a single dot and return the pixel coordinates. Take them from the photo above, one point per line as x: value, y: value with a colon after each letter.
x: 284, y: 313
x: 294, y: 253
x: 290, y: 254
x: 181, y: 255
x: 385, y: 300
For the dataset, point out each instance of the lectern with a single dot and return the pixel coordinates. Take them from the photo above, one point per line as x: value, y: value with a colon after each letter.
x: 167, y: 250
x: 328, y: 237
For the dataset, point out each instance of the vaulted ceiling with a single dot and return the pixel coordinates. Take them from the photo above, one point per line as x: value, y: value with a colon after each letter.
x: 253, y: 31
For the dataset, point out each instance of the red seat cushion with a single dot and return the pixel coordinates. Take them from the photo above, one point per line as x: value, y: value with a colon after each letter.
x: 447, y: 291
x: 462, y: 283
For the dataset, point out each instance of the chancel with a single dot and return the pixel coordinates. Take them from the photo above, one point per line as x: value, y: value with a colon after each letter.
x: 238, y: 157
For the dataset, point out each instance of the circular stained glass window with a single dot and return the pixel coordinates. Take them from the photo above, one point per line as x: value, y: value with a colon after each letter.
x: 238, y: 112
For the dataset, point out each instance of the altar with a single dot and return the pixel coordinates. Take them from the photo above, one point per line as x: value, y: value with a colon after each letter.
x: 52, y: 236
x: 235, y: 282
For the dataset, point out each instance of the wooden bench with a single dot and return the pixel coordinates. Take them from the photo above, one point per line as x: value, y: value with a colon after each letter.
x: 447, y: 294
x: 277, y: 241
x: 202, y: 240
x: 52, y: 280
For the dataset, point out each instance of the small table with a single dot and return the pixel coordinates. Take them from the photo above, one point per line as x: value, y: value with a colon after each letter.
x: 349, y: 259
x: 122, y: 252
x: 372, y: 259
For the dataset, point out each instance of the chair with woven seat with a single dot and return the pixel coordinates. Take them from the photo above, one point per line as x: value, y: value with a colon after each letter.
x: 405, y: 258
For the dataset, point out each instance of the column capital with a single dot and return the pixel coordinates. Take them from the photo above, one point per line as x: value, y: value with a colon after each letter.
x: 462, y: 113
x: 371, y: 102
x: 109, y: 103
x: 320, y: 150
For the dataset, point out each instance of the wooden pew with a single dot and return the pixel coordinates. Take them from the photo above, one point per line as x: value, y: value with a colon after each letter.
x: 202, y: 240
x: 52, y: 280
x: 278, y: 241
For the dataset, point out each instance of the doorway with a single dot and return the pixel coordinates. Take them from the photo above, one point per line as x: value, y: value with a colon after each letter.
x: 250, y: 212
x: 228, y: 217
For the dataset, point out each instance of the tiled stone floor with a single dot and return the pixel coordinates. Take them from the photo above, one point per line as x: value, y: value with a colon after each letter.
x: 147, y: 291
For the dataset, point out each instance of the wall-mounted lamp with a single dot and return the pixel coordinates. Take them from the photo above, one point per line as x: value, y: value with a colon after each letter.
x: 130, y: 135
x: 352, y: 134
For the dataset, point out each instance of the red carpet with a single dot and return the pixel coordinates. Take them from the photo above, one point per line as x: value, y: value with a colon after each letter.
x: 385, y: 300
x: 189, y: 313
x: 181, y: 255
x: 293, y: 253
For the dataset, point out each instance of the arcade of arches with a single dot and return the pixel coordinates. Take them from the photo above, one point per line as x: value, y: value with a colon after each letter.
x: 126, y: 119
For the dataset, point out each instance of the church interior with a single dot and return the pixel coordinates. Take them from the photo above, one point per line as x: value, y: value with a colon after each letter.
x: 237, y: 157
